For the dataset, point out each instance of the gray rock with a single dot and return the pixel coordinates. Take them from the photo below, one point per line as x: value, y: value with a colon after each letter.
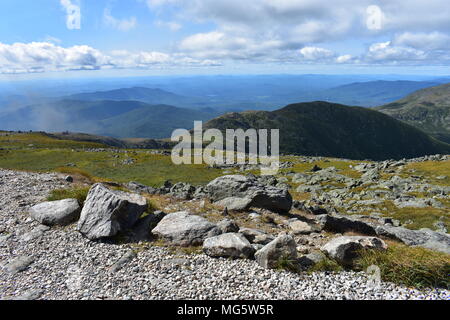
x: 182, y: 191
x: 425, y: 238
x: 305, y: 188
x: 106, y: 212
x: 185, y: 229
x: 19, y: 264
x: 412, y: 203
x: 256, y: 236
x: 235, y: 203
x: 341, y: 224
x: 61, y: 212
x: 311, y: 259
x: 35, y: 233
x: 126, y: 258
x: 299, y: 227
x: 300, y: 178
x: 345, y: 249
x: 140, y: 188
x: 283, y: 247
x: 228, y: 226
x: 233, y: 245
x: 440, y: 226
x: 260, y: 195
x: 370, y: 176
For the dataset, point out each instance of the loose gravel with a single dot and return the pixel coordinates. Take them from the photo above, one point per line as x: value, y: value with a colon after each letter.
x: 64, y: 265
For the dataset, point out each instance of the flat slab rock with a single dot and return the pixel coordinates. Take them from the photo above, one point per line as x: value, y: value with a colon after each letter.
x: 185, y: 229
x: 233, y: 245
x: 61, y: 212
x: 345, y: 249
x: 106, y: 212
x: 243, y: 192
x: 424, y: 238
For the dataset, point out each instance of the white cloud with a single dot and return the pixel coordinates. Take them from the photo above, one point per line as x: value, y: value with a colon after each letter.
x: 425, y: 41
x: 345, y: 58
x: 45, y: 56
x: 275, y: 29
x: 171, y: 25
x: 386, y: 52
x: 73, y: 14
x: 119, y: 24
x: 314, y: 53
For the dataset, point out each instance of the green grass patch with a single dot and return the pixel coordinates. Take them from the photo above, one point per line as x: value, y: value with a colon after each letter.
x: 287, y: 264
x: 148, y: 169
x: 326, y: 264
x: 420, y: 217
x: 430, y: 170
x: 41, y: 140
x: 343, y: 167
x: 76, y: 171
x: 409, y: 266
x: 74, y: 193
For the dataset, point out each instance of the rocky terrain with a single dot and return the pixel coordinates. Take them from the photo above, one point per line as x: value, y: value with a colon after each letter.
x: 233, y: 238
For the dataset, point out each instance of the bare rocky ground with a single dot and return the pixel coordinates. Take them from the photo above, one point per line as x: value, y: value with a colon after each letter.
x: 58, y: 263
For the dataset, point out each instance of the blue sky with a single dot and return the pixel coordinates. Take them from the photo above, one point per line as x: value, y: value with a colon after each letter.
x: 110, y: 37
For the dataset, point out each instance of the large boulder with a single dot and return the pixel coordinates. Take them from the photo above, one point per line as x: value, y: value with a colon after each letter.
x: 106, y: 212
x: 233, y: 245
x: 253, y: 191
x: 235, y: 203
x: 184, y: 229
x: 61, y: 212
x: 345, y: 249
x: 282, y: 248
x: 424, y: 238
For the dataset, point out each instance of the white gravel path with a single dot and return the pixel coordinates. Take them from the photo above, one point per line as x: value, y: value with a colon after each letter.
x: 67, y: 266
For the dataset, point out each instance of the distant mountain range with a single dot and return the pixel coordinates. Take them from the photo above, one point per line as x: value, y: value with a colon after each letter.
x: 365, y: 94
x: 427, y: 109
x: 328, y: 129
x: 314, y: 128
x: 120, y: 119
x: 147, y: 95
x: 372, y: 93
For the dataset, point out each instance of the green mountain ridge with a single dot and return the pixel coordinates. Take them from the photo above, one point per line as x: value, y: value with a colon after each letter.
x: 327, y: 129
x: 119, y: 119
x: 427, y: 109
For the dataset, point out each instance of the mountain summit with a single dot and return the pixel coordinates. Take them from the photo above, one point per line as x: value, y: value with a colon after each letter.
x: 427, y: 109
x: 328, y: 129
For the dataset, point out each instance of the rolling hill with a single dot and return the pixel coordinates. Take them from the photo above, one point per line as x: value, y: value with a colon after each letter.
x: 372, y: 93
x: 327, y: 129
x: 147, y: 95
x: 427, y: 109
x: 119, y: 119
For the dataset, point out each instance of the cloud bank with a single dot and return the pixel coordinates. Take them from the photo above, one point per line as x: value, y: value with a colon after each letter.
x: 384, y: 32
x: 37, y: 57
